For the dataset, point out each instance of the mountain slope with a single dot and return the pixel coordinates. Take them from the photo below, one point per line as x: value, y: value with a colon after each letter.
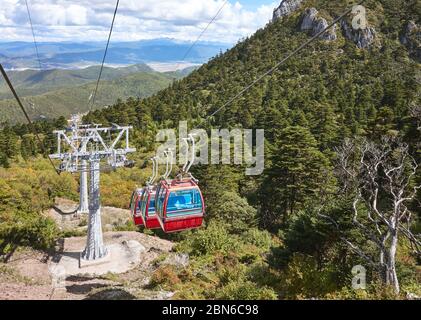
x: 352, y: 87
x: 33, y: 82
x: 63, y: 102
x: 354, y: 84
x: 331, y: 91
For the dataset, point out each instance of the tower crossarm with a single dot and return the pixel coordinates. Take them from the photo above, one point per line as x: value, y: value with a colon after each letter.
x: 87, y: 142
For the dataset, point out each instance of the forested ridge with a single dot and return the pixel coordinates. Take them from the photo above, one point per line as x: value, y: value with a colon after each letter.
x: 265, y: 236
x: 67, y: 98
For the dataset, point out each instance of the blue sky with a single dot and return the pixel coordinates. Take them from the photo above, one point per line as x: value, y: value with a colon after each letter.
x: 89, y: 20
x: 253, y: 4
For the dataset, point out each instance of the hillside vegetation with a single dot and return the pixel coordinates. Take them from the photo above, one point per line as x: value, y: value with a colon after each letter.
x: 34, y: 82
x: 68, y: 92
x: 264, y: 236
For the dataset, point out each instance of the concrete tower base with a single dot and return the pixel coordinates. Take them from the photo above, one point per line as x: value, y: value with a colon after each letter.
x: 121, y: 258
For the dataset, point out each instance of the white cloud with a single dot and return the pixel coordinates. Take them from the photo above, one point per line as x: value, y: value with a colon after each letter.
x: 84, y: 20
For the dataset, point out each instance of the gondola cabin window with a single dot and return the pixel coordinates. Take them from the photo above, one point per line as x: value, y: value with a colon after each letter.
x: 143, y: 204
x: 148, y: 210
x: 184, y: 202
x: 151, y: 209
x: 160, y: 198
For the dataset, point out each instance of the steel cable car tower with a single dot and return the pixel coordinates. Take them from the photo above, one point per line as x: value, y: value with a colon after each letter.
x: 86, y: 145
x: 75, y: 125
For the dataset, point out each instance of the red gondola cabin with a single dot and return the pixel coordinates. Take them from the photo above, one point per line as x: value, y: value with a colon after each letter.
x: 147, y: 209
x: 179, y: 205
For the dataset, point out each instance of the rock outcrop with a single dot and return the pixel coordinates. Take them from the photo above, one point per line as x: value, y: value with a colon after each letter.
x: 363, y: 38
x: 311, y: 22
x: 411, y: 38
x: 308, y: 19
x: 286, y: 8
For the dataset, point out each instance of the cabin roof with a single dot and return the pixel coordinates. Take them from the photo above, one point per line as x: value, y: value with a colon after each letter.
x: 179, y: 184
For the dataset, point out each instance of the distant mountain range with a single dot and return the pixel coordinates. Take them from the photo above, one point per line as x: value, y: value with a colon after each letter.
x: 69, y: 55
x: 69, y: 72
x: 33, y: 82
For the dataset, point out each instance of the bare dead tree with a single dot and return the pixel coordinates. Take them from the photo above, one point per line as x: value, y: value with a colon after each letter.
x: 381, y: 177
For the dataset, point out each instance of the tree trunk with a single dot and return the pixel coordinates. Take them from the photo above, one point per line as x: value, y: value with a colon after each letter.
x: 383, y: 257
x: 391, y: 275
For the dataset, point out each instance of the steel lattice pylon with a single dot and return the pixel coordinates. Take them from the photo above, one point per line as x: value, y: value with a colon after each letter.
x: 75, y: 124
x: 81, y: 147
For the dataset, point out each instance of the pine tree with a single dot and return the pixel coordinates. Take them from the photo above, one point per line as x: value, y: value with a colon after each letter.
x: 298, y: 172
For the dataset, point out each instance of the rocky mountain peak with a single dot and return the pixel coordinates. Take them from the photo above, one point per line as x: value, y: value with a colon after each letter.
x: 311, y: 22
x: 411, y: 38
x: 286, y: 8
x: 363, y: 38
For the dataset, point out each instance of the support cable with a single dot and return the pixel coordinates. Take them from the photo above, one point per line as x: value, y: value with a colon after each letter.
x: 285, y: 59
x: 33, y: 35
x: 201, y: 34
x: 32, y: 127
x: 105, y: 55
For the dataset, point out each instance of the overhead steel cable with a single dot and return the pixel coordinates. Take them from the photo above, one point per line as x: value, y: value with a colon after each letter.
x: 285, y: 59
x: 32, y: 127
x: 202, y: 33
x: 33, y: 35
x: 105, y: 55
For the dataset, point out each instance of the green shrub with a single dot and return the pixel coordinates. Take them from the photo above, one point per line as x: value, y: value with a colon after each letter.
x: 245, y: 290
x: 348, y: 294
x: 374, y: 291
x: 214, y: 238
x: 27, y: 229
x: 408, y: 270
x: 302, y: 278
x: 232, y: 274
x: 263, y: 275
x: 64, y: 185
x: 234, y: 211
x: 165, y: 276
x: 259, y: 238
x: 128, y: 226
x: 73, y: 233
